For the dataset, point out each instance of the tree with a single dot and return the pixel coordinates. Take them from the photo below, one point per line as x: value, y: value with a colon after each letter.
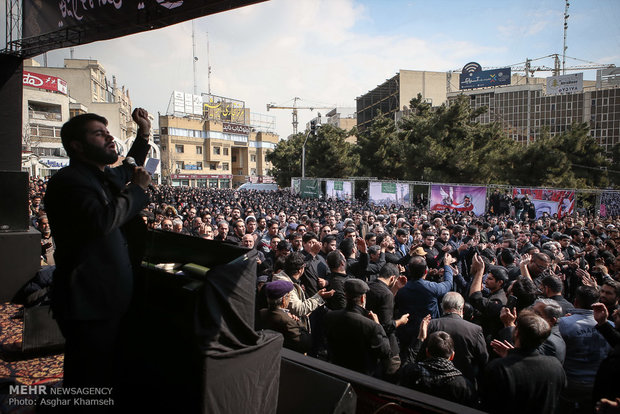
x: 381, y: 150
x: 286, y: 159
x: 444, y: 144
x: 327, y: 155
x: 571, y: 159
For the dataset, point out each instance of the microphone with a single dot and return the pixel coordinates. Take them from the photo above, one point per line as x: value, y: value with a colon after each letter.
x: 130, y: 161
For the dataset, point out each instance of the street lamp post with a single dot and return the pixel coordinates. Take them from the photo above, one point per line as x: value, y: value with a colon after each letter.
x: 314, y: 126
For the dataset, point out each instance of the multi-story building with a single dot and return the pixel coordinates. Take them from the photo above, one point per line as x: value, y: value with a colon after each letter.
x: 211, y: 150
x: 524, y: 110
x: 54, y: 94
x: 395, y: 93
x: 340, y: 117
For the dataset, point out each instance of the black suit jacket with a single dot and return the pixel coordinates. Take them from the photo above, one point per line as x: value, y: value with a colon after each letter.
x: 470, y: 351
x: 86, y: 209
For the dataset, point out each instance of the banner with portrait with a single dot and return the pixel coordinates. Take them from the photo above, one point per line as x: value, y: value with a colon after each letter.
x: 458, y: 198
x: 560, y: 202
x: 386, y: 193
x: 610, y: 204
x: 341, y: 190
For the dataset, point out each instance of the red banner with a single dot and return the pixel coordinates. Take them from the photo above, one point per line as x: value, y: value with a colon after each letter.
x: 51, y: 83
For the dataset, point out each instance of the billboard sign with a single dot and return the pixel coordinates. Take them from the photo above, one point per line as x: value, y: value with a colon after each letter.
x: 387, y: 193
x: 186, y: 103
x: 51, y: 83
x: 458, y: 198
x: 565, y: 84
x: 309, y: 188
x: 610, y: 204
x: 560, y: 202
x: 341, y: 190
x: 472, y: 76
x: 219, y: 108
x: 235, y: 128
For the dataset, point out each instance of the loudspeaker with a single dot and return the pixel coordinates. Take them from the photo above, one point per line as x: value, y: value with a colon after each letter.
x: 41, y: 333
x: 304, y: 390
x: 20, y: 260
x: 14, y: 202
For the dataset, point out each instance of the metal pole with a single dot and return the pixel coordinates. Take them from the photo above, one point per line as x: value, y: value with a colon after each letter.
x: 303, y: 160
x: 303, y: 156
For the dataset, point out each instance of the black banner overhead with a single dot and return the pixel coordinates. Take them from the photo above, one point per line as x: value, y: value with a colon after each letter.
x: 53, y: 24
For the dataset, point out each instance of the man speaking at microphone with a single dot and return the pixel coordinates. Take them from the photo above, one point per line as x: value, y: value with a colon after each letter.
x: 87, y: 203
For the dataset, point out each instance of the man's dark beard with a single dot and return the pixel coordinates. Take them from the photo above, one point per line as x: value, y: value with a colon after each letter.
x: 99, y: 155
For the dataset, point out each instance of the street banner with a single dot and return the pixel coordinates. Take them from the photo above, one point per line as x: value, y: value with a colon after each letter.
x: 610, y: 204
x: 341, y: 190
x: 458, y: 198
x: 309, y: 188
x: 386, y: 193
x: 295, y: 183
x: 560, y: 202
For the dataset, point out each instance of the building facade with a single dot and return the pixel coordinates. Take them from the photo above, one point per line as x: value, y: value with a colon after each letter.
x: 524, y: 110
x: 202, y: 152
x: 395, y: 93
x: 52, y: 95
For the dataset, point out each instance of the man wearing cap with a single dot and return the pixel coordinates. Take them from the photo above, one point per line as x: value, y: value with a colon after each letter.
x: 355, y: 338
x: 278, y: 318
x: 300, y: 305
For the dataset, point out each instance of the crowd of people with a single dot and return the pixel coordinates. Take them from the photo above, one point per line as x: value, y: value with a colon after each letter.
x: 503, y: 313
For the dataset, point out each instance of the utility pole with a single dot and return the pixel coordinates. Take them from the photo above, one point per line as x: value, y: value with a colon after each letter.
x: 208, y: 67
x: 565, y: 30
x: 194, y: 59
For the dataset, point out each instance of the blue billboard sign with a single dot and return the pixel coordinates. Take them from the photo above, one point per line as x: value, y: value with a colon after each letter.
x: 473, y: 76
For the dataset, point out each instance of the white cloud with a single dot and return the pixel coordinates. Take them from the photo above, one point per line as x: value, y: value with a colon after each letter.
x: 274, y: 51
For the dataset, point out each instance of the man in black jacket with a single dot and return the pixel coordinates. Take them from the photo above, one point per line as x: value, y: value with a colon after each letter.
x: 380, y: 300
x: 93, y: 282
x: 524, y: 381
x: 354, y: 335
x: 469, y: 346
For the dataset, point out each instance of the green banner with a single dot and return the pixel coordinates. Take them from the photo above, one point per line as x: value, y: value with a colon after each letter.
x: 309, y: 188
x: 388, y: 188
x: 338, y: 185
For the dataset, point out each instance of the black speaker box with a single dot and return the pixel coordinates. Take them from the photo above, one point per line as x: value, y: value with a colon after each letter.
x: 20, y: 260
x: 13, y: 201
x: 305, y: 390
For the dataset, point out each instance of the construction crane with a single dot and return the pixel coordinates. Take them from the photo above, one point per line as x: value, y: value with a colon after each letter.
x: 295, y: 108
x: 556, y: 69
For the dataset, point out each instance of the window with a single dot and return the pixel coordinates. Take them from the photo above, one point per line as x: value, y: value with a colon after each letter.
x: 253, y: 171
x: 225, y: 150
x: 199, y: 165
x: 179, y: 149
x: 216, y: 150
x: 213, y: 166
x: 180, y: 165
x: 239, y: 171
x: 253, y: 158
x: 234, y: 158
x: 163, y: 148
x: 198, y: 149
x: 225, y: 166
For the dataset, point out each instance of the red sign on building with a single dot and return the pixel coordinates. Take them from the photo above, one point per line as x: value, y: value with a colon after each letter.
x: 51, y: 83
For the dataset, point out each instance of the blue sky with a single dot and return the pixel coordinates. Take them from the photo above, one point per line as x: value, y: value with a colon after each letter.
x: 328, y: 52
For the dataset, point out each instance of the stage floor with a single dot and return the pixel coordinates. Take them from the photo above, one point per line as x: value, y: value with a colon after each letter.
x: 17, y: 369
